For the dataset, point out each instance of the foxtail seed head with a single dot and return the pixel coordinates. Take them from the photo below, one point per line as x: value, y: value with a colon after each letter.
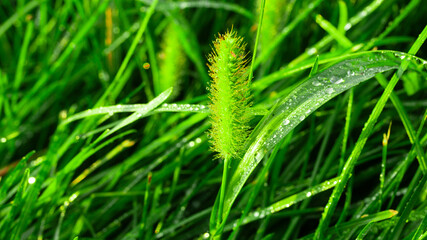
x: 230, y: 95
x: 172, y: 62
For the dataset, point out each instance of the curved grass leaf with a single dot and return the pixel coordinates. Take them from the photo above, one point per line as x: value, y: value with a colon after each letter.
x: 139, y: 110
x: 110, y: 110
x: 300, y: 103
x: 166, y: 107
x: 286, y: 202
x: 290, y: 70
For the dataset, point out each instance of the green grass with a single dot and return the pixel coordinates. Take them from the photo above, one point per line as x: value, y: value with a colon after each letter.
x: 104, y: 121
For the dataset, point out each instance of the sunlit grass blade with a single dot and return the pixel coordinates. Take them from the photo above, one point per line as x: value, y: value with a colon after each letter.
x: 267, y: 80
x: 110, y: 110
x: 301, y: 102
x: 141, y: 111
x: 315, y: 67
x: 352, y: 22
x: 336, y: 34
x: 343, y: 18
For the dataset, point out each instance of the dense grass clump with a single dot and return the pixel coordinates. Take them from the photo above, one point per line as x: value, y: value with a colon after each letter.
x: 121, y: 119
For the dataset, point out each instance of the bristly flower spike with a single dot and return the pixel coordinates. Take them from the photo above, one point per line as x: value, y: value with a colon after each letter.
x: 230, y: 95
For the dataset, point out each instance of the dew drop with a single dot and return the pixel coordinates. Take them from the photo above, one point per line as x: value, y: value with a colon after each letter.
x: 316, y: 83
x: 73, y: 197
x: 31, y: 180
x: 339, y: 81
x: 308, y: 194
x: 347, y: 26
x: 311, y: 51
x: 104, y: 76
x: 329, y: 90
x: 286, y: 122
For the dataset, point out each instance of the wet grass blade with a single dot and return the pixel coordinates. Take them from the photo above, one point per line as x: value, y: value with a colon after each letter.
x: 300, y: 103
x: 110, y: 110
